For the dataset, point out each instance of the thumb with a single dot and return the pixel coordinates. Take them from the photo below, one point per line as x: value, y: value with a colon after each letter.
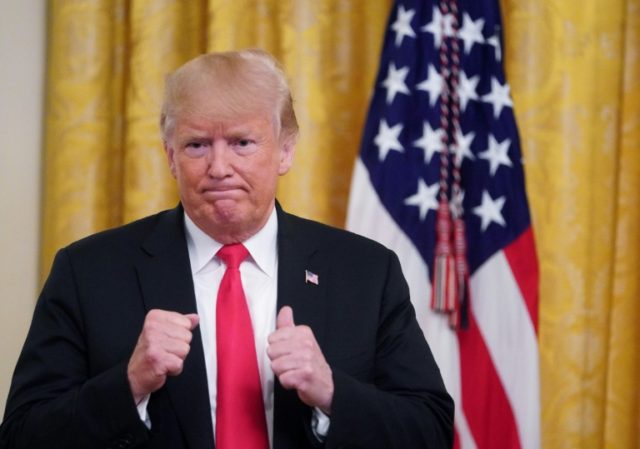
x: 285, y: 318
x: 194, y: 318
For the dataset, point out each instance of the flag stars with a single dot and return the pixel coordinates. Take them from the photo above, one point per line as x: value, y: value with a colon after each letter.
x: 439, y: 26
x: 471, y: 32
x: 424, y: 198
x: 494, y: 41
x: 395, y: 82
x: 490, y: 211
x: 402, y: 25
x: 499, y: 97
x: 496, y: 154
x: 387, y: 139
x: 432, y: 85
x: 430, y: 142
x: 463, y: 145
x: 467, y: 89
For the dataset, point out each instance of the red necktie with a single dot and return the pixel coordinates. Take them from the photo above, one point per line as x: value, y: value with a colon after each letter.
x: 240, y: 417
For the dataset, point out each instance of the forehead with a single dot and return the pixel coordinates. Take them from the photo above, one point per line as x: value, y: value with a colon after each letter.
x: 200, y: 124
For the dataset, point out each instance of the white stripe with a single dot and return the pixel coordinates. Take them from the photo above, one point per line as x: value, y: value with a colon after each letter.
x: 464, y: 434
x: 367, y: 216
x: 506, y: 327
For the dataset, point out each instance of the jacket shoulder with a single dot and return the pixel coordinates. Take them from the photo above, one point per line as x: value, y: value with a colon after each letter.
x: 337, y: 239
x: 128, y: 236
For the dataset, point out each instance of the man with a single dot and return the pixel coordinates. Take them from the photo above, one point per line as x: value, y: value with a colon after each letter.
x: 135, y: 342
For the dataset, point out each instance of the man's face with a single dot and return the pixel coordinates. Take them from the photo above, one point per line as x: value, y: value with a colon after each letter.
x: 227, y: 171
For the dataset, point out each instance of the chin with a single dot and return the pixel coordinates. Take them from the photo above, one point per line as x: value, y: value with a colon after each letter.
x: 226, y: 220
x: 223, y: 217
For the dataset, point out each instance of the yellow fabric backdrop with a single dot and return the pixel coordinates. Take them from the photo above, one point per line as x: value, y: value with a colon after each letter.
x: 107, y: 62
x: 575, y: 76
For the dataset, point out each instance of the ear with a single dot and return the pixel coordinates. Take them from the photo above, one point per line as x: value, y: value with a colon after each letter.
x: 171, y: 154
x: 287, y: 151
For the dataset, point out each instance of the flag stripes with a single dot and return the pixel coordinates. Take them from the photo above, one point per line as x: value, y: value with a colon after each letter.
x: 490, y: 369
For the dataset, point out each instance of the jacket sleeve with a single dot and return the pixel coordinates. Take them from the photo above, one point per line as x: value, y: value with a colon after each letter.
x: 53, y: 403
x: 406, y: 404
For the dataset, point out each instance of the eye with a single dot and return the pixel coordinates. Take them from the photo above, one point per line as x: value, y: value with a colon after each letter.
x: 243, y: 144
x: 195, y: 149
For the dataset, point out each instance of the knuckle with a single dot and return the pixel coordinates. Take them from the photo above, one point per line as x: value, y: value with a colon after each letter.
x: 183, y: 322
x: 276, y: 367
x: 287, y: 380
x: 150, y: 327
x: 158, y: 371
x: 151, y: 340
x: 184, y: 350
x: 306, y: 371
x: 152, y: 356
x: 177, y: 367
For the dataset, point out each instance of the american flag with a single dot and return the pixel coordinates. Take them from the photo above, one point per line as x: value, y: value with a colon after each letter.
x: 310, y: 277
x: 491, y: 367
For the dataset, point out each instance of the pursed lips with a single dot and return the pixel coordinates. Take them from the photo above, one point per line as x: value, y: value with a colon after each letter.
x: 221, y: 191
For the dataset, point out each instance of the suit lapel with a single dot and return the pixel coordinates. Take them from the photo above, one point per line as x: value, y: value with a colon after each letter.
x: 297, y: 254
x: 166, y: 283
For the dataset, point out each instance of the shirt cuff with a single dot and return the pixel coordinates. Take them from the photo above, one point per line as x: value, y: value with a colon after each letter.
x: 320, y: 424
x: 142, y: 411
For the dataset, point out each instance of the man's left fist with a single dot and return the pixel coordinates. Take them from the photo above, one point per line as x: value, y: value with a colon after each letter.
x: 299, y: 363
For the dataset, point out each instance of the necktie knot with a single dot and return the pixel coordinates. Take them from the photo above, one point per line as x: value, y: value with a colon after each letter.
x: 233, y: 255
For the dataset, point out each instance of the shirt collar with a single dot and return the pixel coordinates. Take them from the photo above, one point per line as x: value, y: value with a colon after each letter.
x: 262, y: 246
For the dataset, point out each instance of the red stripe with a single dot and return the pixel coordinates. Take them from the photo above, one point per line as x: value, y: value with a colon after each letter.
x: 522, y: 258
x: 485, y: 404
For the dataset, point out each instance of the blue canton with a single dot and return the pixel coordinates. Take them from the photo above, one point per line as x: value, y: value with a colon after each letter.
x: 402, y: 141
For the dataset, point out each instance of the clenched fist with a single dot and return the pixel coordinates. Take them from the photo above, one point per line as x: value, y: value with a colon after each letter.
x: 160, y: 351
x: 299, y: 363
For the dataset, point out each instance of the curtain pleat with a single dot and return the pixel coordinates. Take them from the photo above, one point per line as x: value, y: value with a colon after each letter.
x: 83, y: 148
x: 574, y: 74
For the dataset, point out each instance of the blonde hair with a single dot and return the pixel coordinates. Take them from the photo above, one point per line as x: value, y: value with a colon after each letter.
x: 236, y: 83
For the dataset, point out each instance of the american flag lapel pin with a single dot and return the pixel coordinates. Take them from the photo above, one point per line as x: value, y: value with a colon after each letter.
x: 310, y: 278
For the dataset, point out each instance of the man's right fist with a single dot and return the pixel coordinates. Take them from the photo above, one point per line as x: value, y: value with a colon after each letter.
x: 160, y: 351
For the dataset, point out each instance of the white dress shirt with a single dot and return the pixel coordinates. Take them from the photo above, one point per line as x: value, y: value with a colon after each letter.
x: 260, y: 283
x: 259, y: 276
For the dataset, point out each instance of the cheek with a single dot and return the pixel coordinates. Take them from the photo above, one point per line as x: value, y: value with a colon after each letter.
x: 269, y: 183
x: 189, y: 174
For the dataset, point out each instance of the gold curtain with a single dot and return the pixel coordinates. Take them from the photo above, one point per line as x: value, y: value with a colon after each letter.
x: 107, y: 59
x: 575, y: 75
x: 574, y: 68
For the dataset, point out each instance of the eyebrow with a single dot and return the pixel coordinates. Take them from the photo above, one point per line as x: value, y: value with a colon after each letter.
x: 240, y: 132
x: 194, y: 138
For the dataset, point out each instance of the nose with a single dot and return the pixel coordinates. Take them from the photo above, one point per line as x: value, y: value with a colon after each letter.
x: 219, y: 161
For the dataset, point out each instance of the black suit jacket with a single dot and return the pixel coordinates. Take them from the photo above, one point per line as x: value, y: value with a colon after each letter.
x: 70, y: 387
